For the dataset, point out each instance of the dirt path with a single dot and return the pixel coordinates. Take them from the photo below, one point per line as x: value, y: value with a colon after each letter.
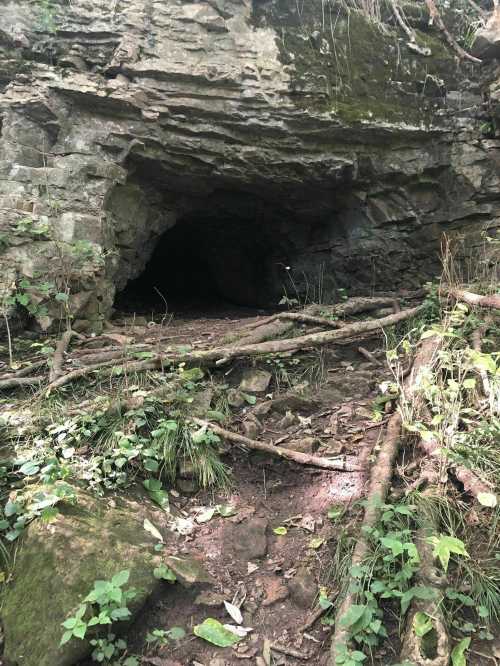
x: 277, y: 576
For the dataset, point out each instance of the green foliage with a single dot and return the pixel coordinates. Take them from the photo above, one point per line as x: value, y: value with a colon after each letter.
x: 18, y: 512
x: 162, y: 637
x: 458, y: 653
x: 105, y: 604
x: 444, y: 546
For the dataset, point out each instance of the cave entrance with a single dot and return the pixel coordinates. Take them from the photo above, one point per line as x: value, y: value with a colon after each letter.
x: 217, y: 257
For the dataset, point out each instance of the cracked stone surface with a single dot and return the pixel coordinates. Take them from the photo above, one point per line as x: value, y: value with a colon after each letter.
x: 240, y: 120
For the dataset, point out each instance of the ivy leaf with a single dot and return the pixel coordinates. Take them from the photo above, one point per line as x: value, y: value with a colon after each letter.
x: 157, y: 494
x: 280, y: 531
x: 151, y: 465
x: 394, y: 545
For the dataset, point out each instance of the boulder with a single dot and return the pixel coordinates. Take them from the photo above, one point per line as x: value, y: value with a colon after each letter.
x: 255, y: 381
x: 57, y: 564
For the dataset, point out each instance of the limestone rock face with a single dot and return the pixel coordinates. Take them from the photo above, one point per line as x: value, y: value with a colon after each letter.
x: 56, y: 566
x: 273, y: 140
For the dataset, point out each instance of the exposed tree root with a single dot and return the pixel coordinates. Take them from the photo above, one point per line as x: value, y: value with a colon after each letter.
x: 492, y: 301
x: 58, y: 358
x: 17, y: 382
x: 26, y: 371
x: 109, y: 366
x: 273, y: 328
x: 221, y: 355
x: 342, y: 465
x: 380, y: 480
x: 477, y: 343
x: 433, y: 649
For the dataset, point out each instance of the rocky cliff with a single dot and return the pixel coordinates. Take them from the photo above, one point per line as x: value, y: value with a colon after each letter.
x: 279, y: 140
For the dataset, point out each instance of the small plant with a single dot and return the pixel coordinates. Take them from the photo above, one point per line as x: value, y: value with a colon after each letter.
x: 105, y: 604
x: 162, y: 637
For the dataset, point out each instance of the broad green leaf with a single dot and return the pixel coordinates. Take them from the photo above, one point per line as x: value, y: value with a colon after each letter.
x: 444, y: 546
x: 458, y: 652
x: 151, y: 465
x: 67, y: 636
x: 29, y: 468
x: 422, y: 624
x: 324, y: 602
x: 394, y: 545
x: 206, y: 515
x: 80, y: 630
x: 225, y: 510
x: 354, y: 614
x: 280, y: 531
x: 214, y: 632
x: 121, y: 578
x: 176, y: 633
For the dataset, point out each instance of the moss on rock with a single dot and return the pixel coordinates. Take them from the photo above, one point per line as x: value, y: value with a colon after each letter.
x: 56, y: 566
x: 342, y: 63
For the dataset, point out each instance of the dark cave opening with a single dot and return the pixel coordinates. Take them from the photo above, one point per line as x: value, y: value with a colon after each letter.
x: 232, y: 255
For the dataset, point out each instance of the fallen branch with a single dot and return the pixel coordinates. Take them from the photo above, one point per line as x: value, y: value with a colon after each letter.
x: 290, y: 652
x: 354, y: 305
x: 106, y: 367
x: 342, y: 465
x: 368, y: 355
x: 492, y: 301
x: 221, y: 355
x: 17, y: 382
x: 58, y: 358
x: 224, y: 354
x: 26, y: 371
x: 436, y: 18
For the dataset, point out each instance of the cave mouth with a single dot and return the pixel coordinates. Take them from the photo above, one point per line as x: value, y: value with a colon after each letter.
x: 214, y: 259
